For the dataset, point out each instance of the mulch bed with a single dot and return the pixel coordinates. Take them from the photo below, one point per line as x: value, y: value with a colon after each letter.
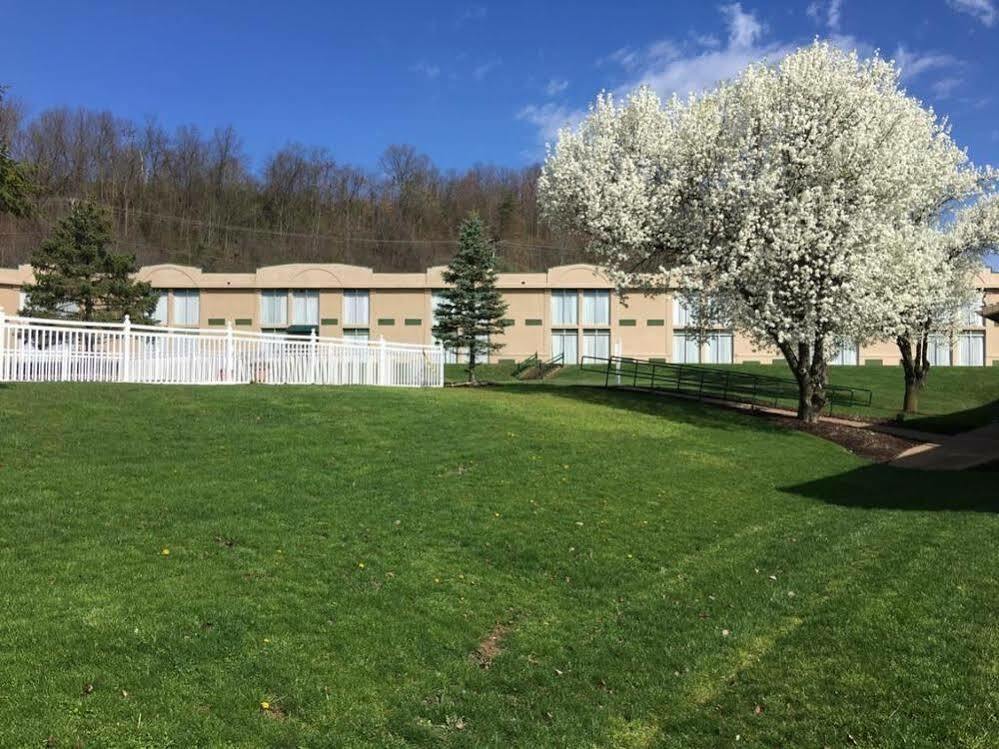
x: 874, y: 446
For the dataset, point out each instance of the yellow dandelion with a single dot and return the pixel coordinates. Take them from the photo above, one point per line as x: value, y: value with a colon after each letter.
x: 165, y: 552
x: 360, y: 565
x: 265, y: 705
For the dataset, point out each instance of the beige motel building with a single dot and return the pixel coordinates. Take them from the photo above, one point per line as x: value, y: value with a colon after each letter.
x: 570, y: 310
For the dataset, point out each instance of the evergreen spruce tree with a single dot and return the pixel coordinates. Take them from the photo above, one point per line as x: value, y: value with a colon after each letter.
x: 471, y: 310
x: 79, y: 276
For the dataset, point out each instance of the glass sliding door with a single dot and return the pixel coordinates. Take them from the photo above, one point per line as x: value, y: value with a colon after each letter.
x: 686, y: 348
x: 971, y: 349
x: 565, y: 342
x: 596, y: 343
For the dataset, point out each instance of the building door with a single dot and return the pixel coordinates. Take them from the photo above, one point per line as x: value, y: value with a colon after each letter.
x: 971, y: 349
x: 565, y: 342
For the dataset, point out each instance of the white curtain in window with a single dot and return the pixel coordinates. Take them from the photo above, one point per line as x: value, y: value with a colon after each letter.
x: 596, y: 343
x: 305, y: 307
x: 565, y: 342
x: 972, y: 313
x: 186, y: 309
x: 274, y: 308
x: 971, y: 350
x: 720, y: 348
x: 564, y: 307
x: 686, y: 349
x: 938, y: 350
x: 160, y: 313
x: 355, y: 307
x: 846, y: 354
x: 596, y: 307
x: 682, y: 316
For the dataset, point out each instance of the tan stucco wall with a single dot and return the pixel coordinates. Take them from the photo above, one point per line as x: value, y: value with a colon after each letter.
x: 233, y: 297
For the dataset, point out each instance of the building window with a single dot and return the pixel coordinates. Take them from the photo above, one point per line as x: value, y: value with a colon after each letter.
x: 355, y: 308
x: 686, y: 348
x: 596, y: 343
x: 564, y: 306
x: 682, y: 315
x: 720, y: 347
x: 845, y: 354
x: 938, y: 352
x: 357, y: 334
x: 971, y: 349
x: 565, y: 342
x: 273, y: 308
x: 596, y: 307
x: 160, y: 313
x: 186, y: 307
x: 971, y: 314
x: 305, y: 307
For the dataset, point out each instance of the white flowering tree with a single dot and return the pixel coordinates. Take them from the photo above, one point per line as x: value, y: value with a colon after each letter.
x: 778, y: 195
x: 932, y: 280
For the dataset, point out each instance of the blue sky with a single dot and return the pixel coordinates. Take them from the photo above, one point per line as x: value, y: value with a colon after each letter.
x: 463, y: 82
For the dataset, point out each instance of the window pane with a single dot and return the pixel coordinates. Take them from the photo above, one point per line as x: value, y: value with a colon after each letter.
x: 681, y: 313
x: 596, y: 307
x: 938, y: 350
x: 360, y: 334
x: 160, y: 313
x: 720, y: 348
x: 564, y: 305
x: 273, y: 308
x: 596, y: 343
x: 971, y: 350
x: 564, y: 342
x: 305, y: 307
x: 186, y: 307
x: 355, y: 307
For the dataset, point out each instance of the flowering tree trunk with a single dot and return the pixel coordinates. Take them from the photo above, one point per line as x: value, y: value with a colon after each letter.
x: 916, y: 365
x: 807, y: 362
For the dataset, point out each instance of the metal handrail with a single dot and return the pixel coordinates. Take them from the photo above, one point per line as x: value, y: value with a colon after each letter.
x: 710, y: 382
x: 531, y: 361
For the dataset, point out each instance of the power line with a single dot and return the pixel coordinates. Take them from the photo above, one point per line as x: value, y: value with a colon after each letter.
x: 304, y: 235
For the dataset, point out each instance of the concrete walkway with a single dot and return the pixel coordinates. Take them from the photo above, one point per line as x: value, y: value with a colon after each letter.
x: 957, y: 453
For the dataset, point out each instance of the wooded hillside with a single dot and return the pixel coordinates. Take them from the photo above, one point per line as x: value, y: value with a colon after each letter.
x: 195, y: 198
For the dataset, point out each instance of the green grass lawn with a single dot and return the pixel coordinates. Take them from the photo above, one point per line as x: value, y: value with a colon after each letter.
x: 652, y: 573
x: 955, y: 399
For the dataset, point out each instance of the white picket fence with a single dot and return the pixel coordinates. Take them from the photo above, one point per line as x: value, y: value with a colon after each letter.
x: 37, y: 350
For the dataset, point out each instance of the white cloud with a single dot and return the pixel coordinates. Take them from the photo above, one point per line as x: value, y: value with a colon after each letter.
x: 425, y: 68
x: 481, y: 71
x: 550, y: 118
x: 743, y: 28
x: 984, y: 10
x: 556, y: 86
x: 914, y: 64
x: 944, y: 87
x: 695, y: 64
x: 705, y: 65
x: 826, y: 12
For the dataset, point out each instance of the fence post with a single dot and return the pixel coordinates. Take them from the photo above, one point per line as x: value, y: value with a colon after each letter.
x: 382, y: 362
x: 3, y: 345
x: 229, y: 373
x: 126, y: 349
x: 440, y: 362
x: 312, y: 356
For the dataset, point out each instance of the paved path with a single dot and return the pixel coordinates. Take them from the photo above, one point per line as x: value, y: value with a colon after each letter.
x: 937, y: 452
x: 966, y: 450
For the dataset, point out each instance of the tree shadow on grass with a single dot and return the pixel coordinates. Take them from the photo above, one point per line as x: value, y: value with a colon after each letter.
x: 958, y: 421
x: 674, y: 409
x: 887, y: 487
